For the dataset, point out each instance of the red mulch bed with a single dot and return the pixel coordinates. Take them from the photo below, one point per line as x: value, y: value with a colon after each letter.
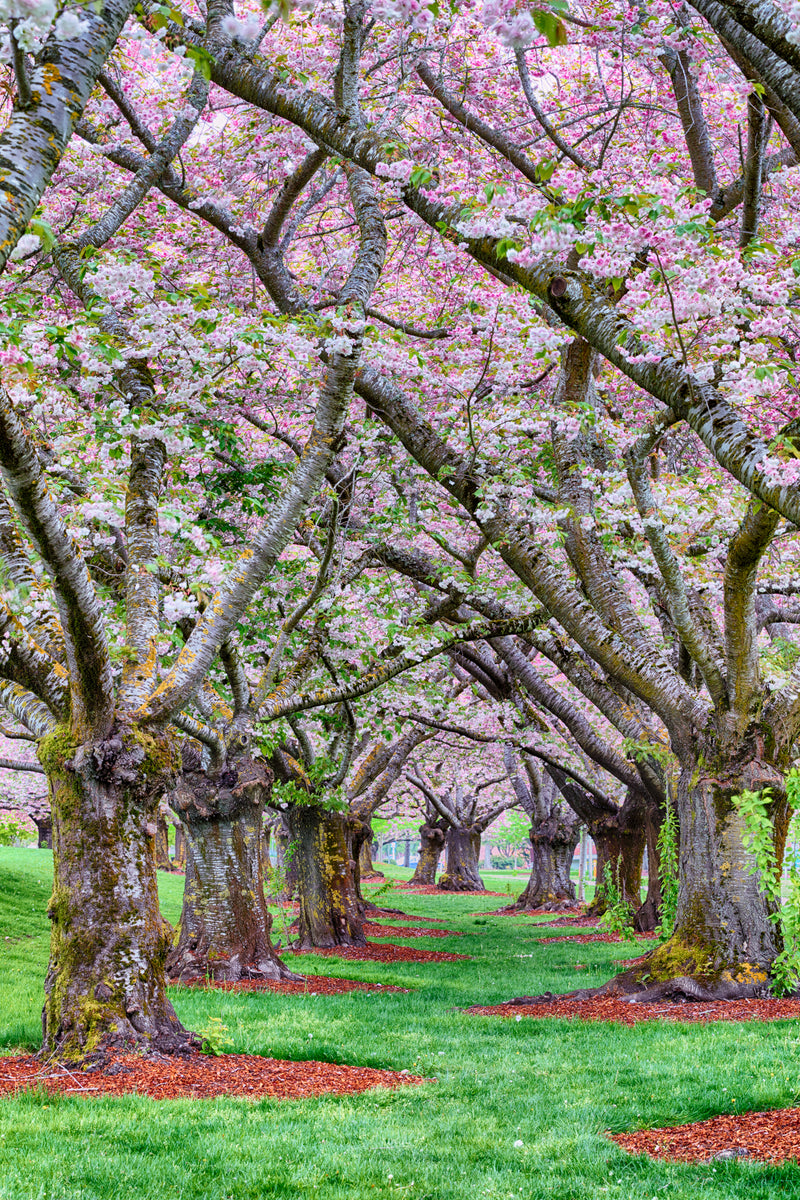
x: 772, y: 1137
x: 314, y: 985
x: 569, y: 922
x: 409, y: 931
x: 384, y: 952
x: 612, y: 1008
x: 572, y: 938
x: 430, y: 889
x: 199, y: 1075
x: 558, y: 914
x: 414, y: 917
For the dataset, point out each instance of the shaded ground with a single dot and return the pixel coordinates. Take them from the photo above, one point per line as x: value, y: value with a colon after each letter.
x: 772, y: 1137
x: 614, y: 1008
x: 201, y: 1075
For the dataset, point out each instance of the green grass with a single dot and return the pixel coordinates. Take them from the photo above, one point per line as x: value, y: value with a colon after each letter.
x: 555, y: 1086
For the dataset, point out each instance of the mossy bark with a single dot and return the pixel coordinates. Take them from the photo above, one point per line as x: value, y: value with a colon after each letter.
x: 162, y: 844
x: 461, y: 873
x: 179, y: 858
x: 106, y: 988
x: 431, y: 845
x: 648, y: 915
x: 44, y: 831
x: 723, y: 933
x: 366, y: 867
x: 329, y: 910
x: 620, y: 840
x: 553, y: 843
x: 224, y: 932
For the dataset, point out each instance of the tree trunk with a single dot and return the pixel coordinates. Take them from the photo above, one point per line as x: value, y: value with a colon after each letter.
x: 44, y: 831
x: 620, y: 839
x: 582, y: 866
x: 553, y: 843
x: 723, y: 933
x: 648, y: 917
x: 463, y: 847
x: 162, y: 845
x: 329, y: 910
x: 224, y: 933
x: 105, y: 988
x: 366, y: 867
x: 179, y: 859
x: 285, y: 881
x: 431, y: 844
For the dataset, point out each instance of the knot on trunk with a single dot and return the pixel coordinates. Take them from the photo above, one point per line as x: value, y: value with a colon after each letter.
x: 238, y: 786
x: 130, y: 757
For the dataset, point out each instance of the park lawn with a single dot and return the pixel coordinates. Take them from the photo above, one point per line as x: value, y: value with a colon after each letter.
x: 553, y: 1086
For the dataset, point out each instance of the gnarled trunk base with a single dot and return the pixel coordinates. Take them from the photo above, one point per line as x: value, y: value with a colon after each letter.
x: 105, y: 988
x: 224, y: 932
x: 620, y: 840
x: 329, y: 909
x: 553, y: 845
x: 366, y: 867
x: 431, y: 844
x: 461, y: 875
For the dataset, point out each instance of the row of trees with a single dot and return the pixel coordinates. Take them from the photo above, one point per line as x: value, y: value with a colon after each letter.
x: 345, y: 343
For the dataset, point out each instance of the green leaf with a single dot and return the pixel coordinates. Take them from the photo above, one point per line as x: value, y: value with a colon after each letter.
x: 550, y: 27
x: 420, y: 176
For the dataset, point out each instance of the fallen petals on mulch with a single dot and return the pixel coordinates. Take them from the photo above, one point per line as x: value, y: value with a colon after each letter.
x: 384, y: 952
x: 199, y: 1075
x: 772, y: 1137
x: 314, y: 985
x: 409, y: 931
x: 612, y: 1008
x: 572, y: 938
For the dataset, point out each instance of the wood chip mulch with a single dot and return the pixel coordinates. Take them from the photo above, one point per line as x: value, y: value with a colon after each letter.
x: 558, y: 914
x: 384, y: 952
x: 572, y: 938
x: 582, y: 919
x: 415, y: 917
x: 430, y: 889
x: 772, y: 1137
x: 612, y: 1008
x: 313, y: 985
x: 407, y: 931
x: 200, y: 1075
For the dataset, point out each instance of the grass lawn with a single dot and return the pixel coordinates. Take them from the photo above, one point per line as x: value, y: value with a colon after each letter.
x: 553, y: 1086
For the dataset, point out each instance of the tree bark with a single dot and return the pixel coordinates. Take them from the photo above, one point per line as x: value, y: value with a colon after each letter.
x: 553, y: 843
x: 431, y: 844
x: 648, y: 916
x: 179, y: 859
x: 44, y: 831
x: 329, y: 910
x: 224, y: 932
x: 723, y: 933
x: 366, y: 867
x: 620, y: 839
x: 106, y: 988
x: 461, y: 875
x: 162, y: 845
